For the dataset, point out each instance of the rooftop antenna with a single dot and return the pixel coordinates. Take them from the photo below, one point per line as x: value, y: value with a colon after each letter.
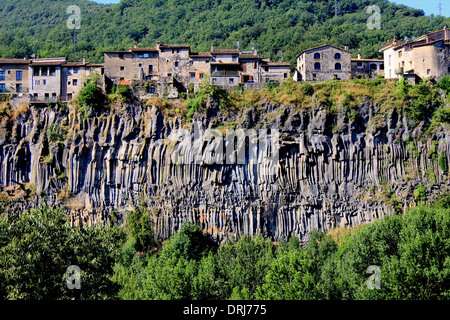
x: 440, y: 8
x: 238, y: 45
x: 74, y: 40
x: 281, y: 56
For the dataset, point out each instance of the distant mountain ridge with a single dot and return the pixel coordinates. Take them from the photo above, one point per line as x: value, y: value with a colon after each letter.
x: 273, y: 27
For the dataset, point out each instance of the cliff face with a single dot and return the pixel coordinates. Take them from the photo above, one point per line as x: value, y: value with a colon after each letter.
x: 332, y: 171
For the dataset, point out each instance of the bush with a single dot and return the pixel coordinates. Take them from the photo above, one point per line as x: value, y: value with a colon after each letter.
x: 420, y: 193
x: 307, y: 89
x: 443, y: 162
x: 90, y: 98
x: 124, y: 93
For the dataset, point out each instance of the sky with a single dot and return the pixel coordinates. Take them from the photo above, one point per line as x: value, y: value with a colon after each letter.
x: 429, y: 6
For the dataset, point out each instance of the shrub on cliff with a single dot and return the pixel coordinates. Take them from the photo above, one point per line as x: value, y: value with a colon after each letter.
x: 90, y: 98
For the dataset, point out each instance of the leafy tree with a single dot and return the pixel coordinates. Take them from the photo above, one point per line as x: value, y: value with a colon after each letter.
x: 38, y: 246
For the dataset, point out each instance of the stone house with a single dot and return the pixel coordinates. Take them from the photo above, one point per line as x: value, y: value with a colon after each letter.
x: 14, y: 76
x: 225, y: 67
x: 44, y: 79
x: 425, y: 57
x: 199, y: 67
x: 119, y: 65
x: 370, y: 68
x: 250, y: 67
x: 323, y: 63
x: 275, y: 71
x: 74, y: 75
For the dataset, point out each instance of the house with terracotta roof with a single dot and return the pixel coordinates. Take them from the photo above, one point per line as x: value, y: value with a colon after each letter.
x: 322, y: 63
x: 74, y: 75
x: 425, y: 57
x: 370, y: 68
x: 14, y: 76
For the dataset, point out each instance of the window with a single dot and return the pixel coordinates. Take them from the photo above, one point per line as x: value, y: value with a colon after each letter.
x: 169, y: 74
x: 213, y: 68
x: 390, y: 58
x: 360, y: 64
x: 140, y: 55
x: 44, y: 82
x: 314, y: 76
x: 316, y: 55
x: 214, y: 80
x: 150, y: 69
x: 285, y: 75
x: 337, y: 66
x: 37, y: 82
x: 192, y: 74
x: 45, y: 72
x: 75, y: 82
x: 234, y: 58
x: 191, y: 63
x: 317, y: 66
x: 122, y: 68
x: 70, y: 71
x: 400, y: 53
x: 53, y: 71
x: 46, y: 96
x: 373, y: 66
x: 122, y: 79
x: 428, y: 71
x: 19, y: 76
x: 35, y: 95
x: 69, y: 96
x: 2, y: 87
x: 337, y: 56
x: 213, y: 58
x: 146, y: 55
x: 266, y: 69
x: 201, y: 75
x: 2, y: 75
x: 178, y: 50
x: 254, y: 64
x: 151, y: 90
x: 382, y: 66
x: 120, y: 55
x: 140, y: 65
x: 231, y: 80
x: 36, y: 72
x: 54, y: 96
x: 177, y: 63
x: 19, y: 87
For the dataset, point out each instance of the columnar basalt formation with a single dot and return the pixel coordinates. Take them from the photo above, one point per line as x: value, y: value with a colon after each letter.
x: 332, y: 171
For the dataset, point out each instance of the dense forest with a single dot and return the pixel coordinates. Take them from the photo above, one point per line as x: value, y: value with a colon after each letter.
x: 403, y: 256
x: 273, y: 27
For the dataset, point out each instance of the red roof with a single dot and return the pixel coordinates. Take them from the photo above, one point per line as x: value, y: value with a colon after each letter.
x: 143, y: 49
x: 14, y: 61
x: 225, y: 51
x: 125, y: 83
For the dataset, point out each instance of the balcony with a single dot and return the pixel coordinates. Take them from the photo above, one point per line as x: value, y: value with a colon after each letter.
x: 225, y: 73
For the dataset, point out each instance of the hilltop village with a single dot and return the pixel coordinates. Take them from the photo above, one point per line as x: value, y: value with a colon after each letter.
x: 170, y: 69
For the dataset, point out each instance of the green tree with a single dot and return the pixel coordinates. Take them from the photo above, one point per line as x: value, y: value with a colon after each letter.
x: 38, y: 246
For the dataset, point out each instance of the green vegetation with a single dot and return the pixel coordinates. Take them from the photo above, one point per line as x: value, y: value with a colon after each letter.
x: 37, y: 247
x: 273, y: 26
x: 443, y: 162
x: 55, y: 133
x: 408, y: 253
x: 90, y: 98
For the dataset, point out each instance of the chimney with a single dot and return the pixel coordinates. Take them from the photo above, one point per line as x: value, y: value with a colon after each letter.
x: 255, y: 52
x: 135, y: 45
x: 84, y: 60
x: 346, y: 48
x: 158, y: 44
x: 446, y: 33
x: 212, y: 46
x: 359, y: 56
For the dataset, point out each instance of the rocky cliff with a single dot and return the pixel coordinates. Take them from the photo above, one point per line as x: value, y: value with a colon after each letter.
x: 333, y: 170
